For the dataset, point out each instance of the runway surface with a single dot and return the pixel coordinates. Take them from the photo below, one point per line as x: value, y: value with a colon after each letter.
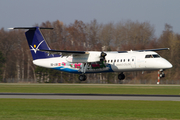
x: 91, y: 96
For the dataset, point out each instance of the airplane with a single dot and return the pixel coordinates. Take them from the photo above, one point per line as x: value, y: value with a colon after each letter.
x: 84, y: 62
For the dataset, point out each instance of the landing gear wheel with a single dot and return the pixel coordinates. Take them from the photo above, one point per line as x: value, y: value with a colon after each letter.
x: 162, y: 75
x: 82, y: 77
x: 121, y: 76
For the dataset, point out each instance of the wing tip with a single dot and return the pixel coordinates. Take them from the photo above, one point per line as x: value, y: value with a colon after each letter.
x: 10, y: 28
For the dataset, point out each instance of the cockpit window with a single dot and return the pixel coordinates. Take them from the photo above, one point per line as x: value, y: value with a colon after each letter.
x: 152, y: 56
x: 148, y: 56
x: 156, y: 56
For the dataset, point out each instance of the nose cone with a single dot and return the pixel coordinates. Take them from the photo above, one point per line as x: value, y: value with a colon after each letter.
x: 164, y: 64
x: 168, y: 65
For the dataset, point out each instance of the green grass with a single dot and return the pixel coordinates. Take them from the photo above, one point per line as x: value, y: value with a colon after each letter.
x: 50, y: 109
x: 13, y: 109
x: 86, y: 88
x: 43, y: 109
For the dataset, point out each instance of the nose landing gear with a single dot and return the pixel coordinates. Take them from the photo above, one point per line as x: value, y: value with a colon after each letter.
x: 161, y: 74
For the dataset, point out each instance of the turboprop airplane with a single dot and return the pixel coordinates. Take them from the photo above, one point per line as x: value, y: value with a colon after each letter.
x: 84, y: 62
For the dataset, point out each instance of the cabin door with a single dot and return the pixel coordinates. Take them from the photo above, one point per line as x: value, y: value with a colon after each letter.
x: 133, y: 62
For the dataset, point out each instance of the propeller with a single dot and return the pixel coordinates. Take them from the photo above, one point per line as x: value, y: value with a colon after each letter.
x: 102, y: 56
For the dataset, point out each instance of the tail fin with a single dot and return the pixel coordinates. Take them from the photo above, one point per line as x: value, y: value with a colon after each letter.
x: 36, y: 41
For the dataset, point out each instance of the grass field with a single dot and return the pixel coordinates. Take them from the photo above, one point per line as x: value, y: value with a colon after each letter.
x: 92, y: 88
x: 43, y: 109
x: 49, y: 109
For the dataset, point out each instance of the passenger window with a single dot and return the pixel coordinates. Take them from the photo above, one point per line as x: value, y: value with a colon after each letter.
x: 132, y: 59
x: 128, y: 60
x: 111, y: 60
x: 108, y: 61
x: 124, y: 60
x: 114, y: 60
x: 118, y: 60
x: 121, y: 60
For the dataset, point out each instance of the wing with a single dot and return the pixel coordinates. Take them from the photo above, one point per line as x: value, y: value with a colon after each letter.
x: 64, y: 52
x: 158, y: 49
x: 85, y: 56
x: 78, y: 53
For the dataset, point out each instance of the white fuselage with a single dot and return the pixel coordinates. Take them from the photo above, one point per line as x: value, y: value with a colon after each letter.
x: 114, y: 62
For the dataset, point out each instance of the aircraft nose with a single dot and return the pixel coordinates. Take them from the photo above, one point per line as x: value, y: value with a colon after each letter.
x: 166, y: 64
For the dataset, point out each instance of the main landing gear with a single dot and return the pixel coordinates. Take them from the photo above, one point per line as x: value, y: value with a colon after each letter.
x: 121, y: 76
x: 82, y: 77
x: 83, y: 70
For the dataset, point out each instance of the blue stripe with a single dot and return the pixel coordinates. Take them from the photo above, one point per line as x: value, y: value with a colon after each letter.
x: 77, y: 71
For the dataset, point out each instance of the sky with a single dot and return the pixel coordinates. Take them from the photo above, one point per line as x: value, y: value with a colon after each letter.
x: 21, y: 13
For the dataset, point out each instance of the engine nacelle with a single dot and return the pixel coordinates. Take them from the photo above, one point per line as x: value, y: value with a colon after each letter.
x: 91, y: 57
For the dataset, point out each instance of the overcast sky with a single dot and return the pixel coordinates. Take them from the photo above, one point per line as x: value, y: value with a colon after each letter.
x: 20, y: 13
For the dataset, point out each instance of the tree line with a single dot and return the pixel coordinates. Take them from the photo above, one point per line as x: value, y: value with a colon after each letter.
x: 16, y: 60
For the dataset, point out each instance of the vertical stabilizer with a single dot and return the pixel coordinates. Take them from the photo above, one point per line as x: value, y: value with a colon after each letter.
x: 36, y: 41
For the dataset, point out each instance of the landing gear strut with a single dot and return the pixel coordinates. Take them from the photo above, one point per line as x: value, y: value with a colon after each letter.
x: 121, y: 76
x: 83, y: 70
x: 161, y: 74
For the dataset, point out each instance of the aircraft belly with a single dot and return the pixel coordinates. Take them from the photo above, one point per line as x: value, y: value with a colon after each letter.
x: 78, y: 71
x: 78, y: 67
